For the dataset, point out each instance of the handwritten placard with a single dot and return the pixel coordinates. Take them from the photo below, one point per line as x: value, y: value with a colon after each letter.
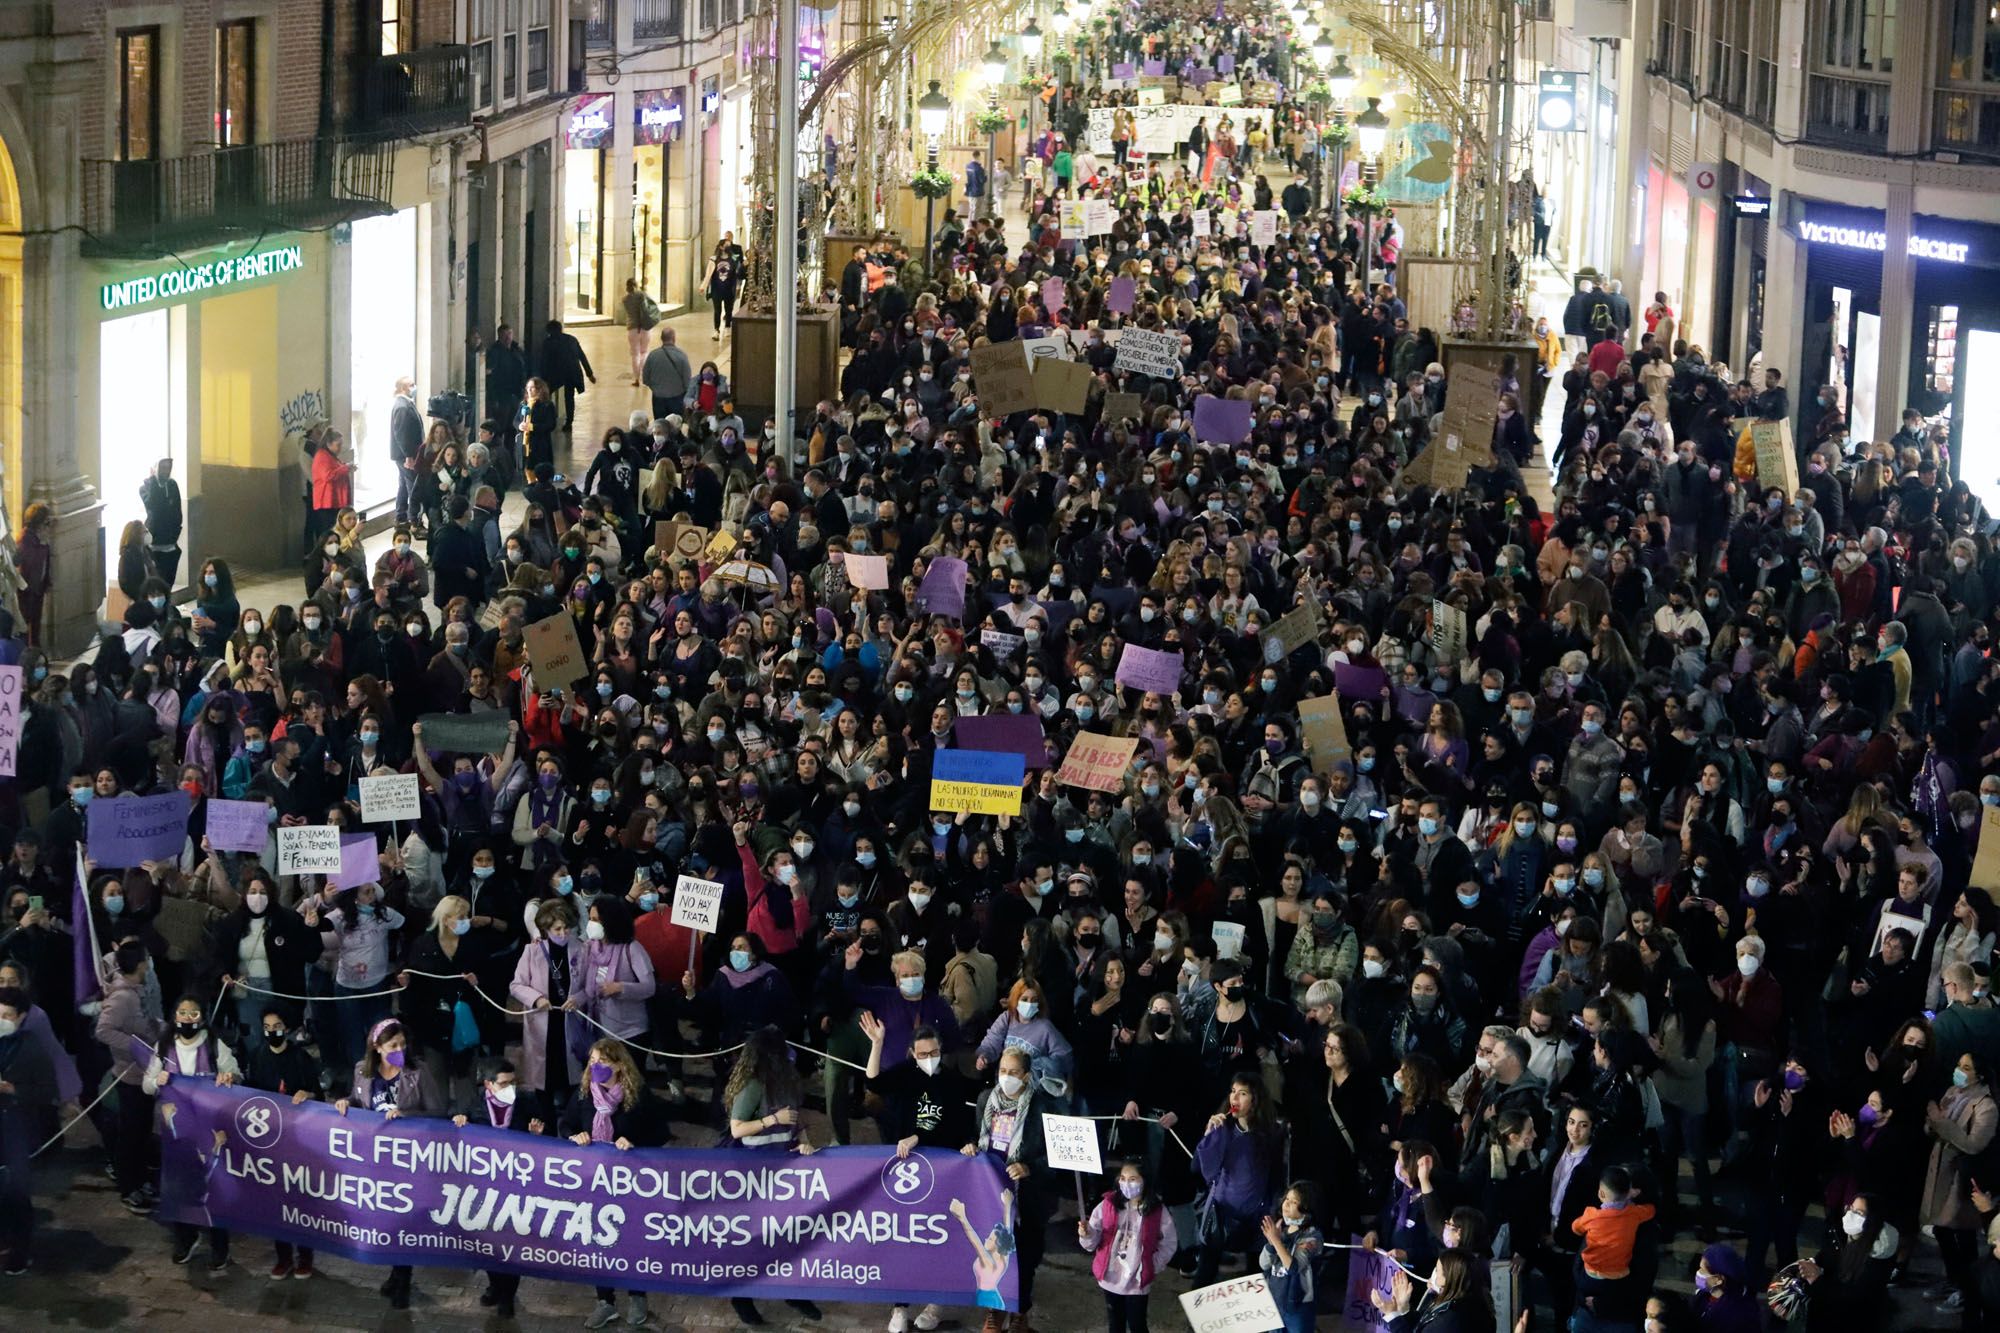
x: 1097, y: 763
x: 309, y: 849
x: 942, y: 592
x: 238, y: 826
x: 697, y: 904
x: 1150, y: 669
x: 392, y: 797
x: 555, y: 653
x: 10, y: 719
x: 867, y: 571
x: 129, y: 830
x: 1072, y: 1145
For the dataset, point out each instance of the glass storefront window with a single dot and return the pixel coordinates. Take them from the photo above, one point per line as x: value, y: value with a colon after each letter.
x: 649, y: 218
x: 583, y: 232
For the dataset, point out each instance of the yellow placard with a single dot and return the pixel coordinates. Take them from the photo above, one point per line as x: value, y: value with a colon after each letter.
x: 975, y: 798
x: 720, y: 547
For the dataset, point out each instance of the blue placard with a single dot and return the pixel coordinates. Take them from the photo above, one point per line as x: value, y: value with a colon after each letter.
x: 989, y: 768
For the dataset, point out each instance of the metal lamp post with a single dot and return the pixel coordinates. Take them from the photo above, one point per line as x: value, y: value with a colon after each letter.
x: 933, y: 114
x: 1031, y: 51
x: 994, y: 65
x: 1371, y: 136
x: 1340, y: 81
x: 1059, y: 22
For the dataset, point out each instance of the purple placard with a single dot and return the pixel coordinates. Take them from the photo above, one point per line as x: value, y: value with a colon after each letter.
x: 1054, y: 294
x: 1359, y: 684
x: 238, y: 826
x: 1226, y: 62
x: 1123, y: 70
x: 128, y: 830
x: 1201, y: 76
x: 1156, y: 68
x: 1150, y: 669
x: 1221, y: 420
x: 1007, y: 733
x: 845, y: 1224
x: 1120, y: 298
x: 358, y: 863
x: 1413, y: 705
x: 942, y: 593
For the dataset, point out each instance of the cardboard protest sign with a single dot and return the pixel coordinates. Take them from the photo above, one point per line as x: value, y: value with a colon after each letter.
x: 1062, y: 386
x: 1448, y: 632
x: 1986, y: 864
x: 125, y: 831
x: 697, y: 904
x: 1323, y: 730
x: 1443, y: 464
x: 1071, y: 1141
x: 977, y: 782
x: 1015, y: 733
x: 1221, y: 420
x: 1097, y: 216
x: 680, y: 541
x: 1777, y: 460
x: 1199, y: 223
x: 556, y: 654
x: 1122, y: 407
x: 358, y: 863
x: 1293, y: 630
x: 1264, y: 226
x: 1150, y: 669
x: 1123, y: 70
x: 942, y: 593
x: 721, y: 545
x: 309, y: 849
x: 465, y: 733
x: 1072, y: 217
x: 1001, y: 377
x: 1096, y: 762
x: 1003, y: 644
x: 1150, y: 352
x: 1054, y: 345
x: 1228, y: 937
x: 1242, y: 1305
x: 10, y: 719
x: 238, y: 826
x: 1120, y: 298
x: 867, y: 571
x: 1229, y: 94
x: 1368, y: 1272
x: 385, y: 799
x: 1471, y: 406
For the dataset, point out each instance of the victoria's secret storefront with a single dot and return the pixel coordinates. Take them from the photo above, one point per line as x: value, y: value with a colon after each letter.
x: 1953, y: 343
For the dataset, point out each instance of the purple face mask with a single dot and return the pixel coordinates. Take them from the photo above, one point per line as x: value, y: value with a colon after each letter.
x: 1794, y: 1080
x: 1868, y: 1115
x: 600, y: 1073
x: 393, y: 1059
x: 1701, y: 1282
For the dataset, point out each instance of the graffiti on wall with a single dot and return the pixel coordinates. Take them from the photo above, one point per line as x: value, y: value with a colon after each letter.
x: 302, y: 412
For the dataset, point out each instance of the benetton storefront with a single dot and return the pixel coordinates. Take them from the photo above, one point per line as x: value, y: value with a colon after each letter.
x: 218, y: 362
x: 1951, y: 341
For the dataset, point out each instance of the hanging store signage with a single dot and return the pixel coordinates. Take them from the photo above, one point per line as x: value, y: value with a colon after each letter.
x: 193, y: 279
x: 590, y: 122
x: 1752, y: 205
x: 1867, y: 238
x: 656, y: 116
x: 1556, y: 107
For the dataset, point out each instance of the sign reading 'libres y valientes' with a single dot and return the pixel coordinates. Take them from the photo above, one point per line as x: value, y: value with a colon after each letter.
x: 193, y: 279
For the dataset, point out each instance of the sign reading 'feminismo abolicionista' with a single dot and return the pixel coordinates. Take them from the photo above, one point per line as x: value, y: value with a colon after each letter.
x: 192, y: 279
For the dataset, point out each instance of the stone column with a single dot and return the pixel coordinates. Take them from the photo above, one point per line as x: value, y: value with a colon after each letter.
x: 52, y: 327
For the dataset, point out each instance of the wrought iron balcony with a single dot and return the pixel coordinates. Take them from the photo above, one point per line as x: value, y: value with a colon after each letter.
x: 148, y: 206
x: 417, y: 92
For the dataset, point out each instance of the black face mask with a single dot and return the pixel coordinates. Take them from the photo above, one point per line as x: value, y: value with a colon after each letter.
x: 1162, y: 1024
x: 871, y: 944
x: 276, y: 1040
x: 188, y: 1030
x: 1089, y: 941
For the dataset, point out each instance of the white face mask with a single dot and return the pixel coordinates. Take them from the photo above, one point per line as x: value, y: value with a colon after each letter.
x: 1853, y: 1223
x: 1373, y: 968
x: 505, y: 1096
x: 1748, y: 964
x: 929, y: 1063
x: 257, y: 902
x: 1011, y: 1084
x: 593, y: 930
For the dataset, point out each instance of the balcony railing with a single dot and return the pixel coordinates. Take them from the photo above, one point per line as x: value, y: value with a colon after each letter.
x: 1967, y: 122
x: 417, y: 92
x: 1848, y: 113
x: 600, y: 24
x: 147, y: 206
x: 656, y: 20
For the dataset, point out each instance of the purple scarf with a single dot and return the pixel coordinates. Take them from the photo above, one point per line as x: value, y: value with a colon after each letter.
x: 498, y: 1112
x: 605, y: 1098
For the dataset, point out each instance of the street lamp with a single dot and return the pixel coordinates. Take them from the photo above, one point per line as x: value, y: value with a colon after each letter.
x: 1031, y: 51
x: 1371, y: 135
x: 933, y: 114
x: 1323, y: 50
x: 1308, y: 28
x: 995, y: 63
x: 1340, y: 80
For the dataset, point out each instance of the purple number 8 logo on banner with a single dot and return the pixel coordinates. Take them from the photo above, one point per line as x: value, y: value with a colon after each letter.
x: 259, y: 1122
x: 908, y: 1180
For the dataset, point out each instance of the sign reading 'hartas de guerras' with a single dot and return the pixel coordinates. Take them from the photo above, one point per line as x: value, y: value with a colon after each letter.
x: 193, y: 279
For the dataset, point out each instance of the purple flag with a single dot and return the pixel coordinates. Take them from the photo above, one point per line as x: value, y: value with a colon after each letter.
x: 128, y: 830
x: 1121, y: 296
x: 238, y: 826
x: 1221, y: 420
x: 942, y: 593
x: 1150, y: 669
x: 87, y: 980
x: 357, y: 861
x: 1008, y: 732
x: 845, y: 1224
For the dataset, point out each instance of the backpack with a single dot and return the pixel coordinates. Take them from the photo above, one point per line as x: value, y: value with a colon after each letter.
x: 652, y: 309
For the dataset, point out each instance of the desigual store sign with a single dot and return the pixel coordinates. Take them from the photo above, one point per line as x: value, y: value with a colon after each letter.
x: 187, y: 280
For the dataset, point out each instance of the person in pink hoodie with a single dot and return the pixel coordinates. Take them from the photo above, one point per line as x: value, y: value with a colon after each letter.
x: 1130, y: 1237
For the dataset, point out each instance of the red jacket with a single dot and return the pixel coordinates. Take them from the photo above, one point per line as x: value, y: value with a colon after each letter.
x: 333, y: 482
x: 668, y: 945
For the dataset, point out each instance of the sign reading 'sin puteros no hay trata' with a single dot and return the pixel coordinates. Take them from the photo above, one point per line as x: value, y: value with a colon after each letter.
x: 194, y: 279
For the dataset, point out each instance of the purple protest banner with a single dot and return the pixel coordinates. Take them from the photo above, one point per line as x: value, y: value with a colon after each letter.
x: 1221, y: 420
x: 1359, y: 684
x: 942, y: 593
x: 238, y: 826
x: 845, y: 1224
x: 1054, y: 294
x: 1121, y: 296
x: 1006, y: 733
x: 1156, y: 68
x: 127, y: 830
x: 1150, y: 669
x: 357, y: 861
x: 1122, y: 70
x: 1201, y: 76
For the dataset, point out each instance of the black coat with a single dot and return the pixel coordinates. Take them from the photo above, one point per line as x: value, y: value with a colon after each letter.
x: 458, y: 565
x: 290, y: 945
x: 563, y: 363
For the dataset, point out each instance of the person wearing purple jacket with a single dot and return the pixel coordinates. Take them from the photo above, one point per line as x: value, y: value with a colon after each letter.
x: 1239, y: 1157
x: 618, y: 976
x: 904, y: 1009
